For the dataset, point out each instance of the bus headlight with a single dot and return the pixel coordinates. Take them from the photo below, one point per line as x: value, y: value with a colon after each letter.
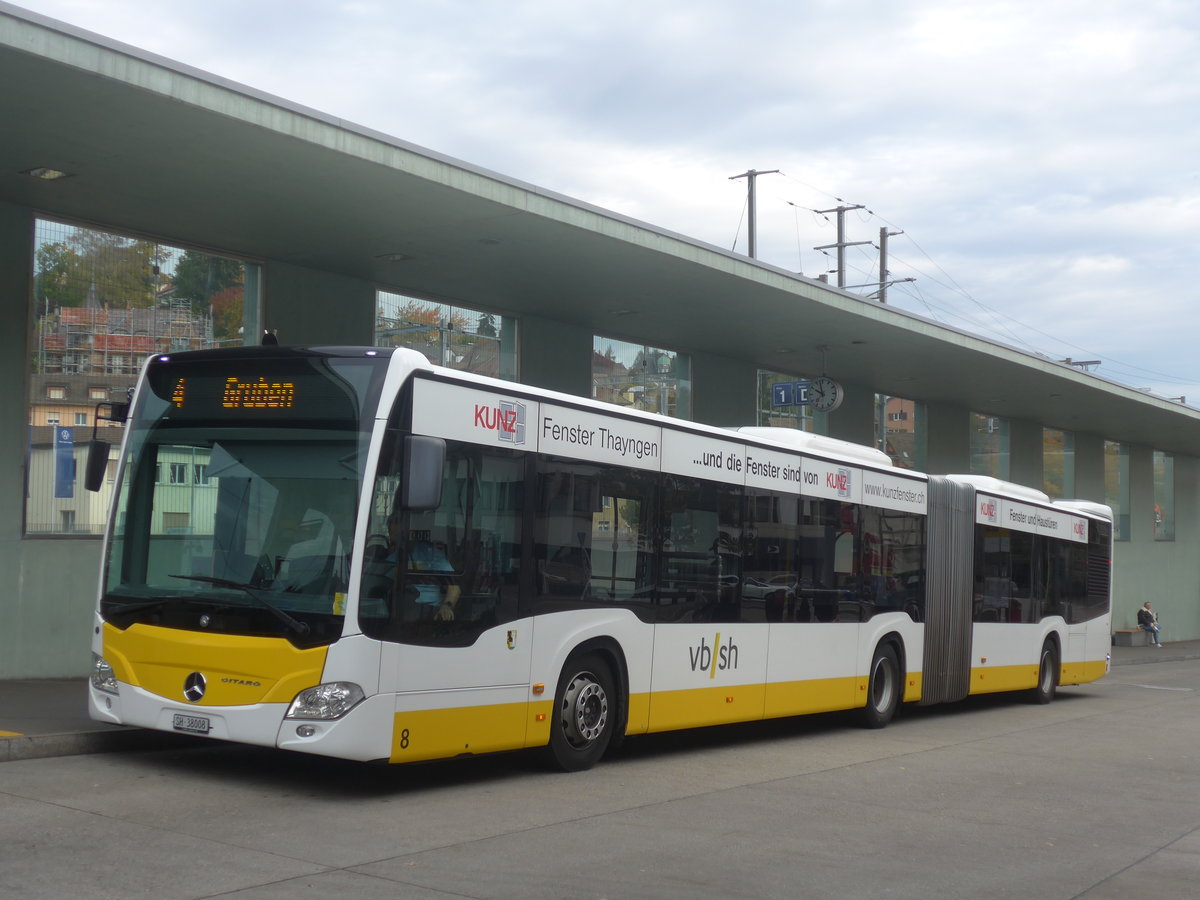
x: 103, y: 678
x: 326, y: 701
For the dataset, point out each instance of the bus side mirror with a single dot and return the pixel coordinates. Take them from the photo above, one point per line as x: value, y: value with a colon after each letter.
x: 423, y: 461
x: 97, y: 464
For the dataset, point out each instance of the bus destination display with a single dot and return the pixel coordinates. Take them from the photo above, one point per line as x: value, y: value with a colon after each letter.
x: 238, y: 394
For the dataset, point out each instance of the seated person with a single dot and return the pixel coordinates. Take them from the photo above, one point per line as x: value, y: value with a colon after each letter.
x: 437, y: 591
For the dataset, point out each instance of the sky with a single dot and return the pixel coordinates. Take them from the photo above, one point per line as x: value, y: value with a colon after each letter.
x: 1042, y: 160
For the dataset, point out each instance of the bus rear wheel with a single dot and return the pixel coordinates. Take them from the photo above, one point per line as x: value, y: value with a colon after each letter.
x: 1047, y: 682
x: 585, y: 713
x: 883, y: 688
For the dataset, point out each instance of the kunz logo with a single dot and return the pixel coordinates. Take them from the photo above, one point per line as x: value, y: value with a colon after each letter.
x: 193, y: 687
x: 506, y: 418
x: 839, y: 481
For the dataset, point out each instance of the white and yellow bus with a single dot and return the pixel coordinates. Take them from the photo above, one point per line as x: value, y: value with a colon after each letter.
x: 350, y: 552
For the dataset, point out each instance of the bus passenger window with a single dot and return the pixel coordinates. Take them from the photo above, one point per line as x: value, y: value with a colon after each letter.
x: 592, y: 539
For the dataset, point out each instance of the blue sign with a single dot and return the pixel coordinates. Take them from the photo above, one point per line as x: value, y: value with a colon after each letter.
x: 64, y: 462
x: 790, y: 393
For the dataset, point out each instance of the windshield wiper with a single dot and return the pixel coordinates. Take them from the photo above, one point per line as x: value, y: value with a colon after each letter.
x: 133, y: 606
x: 295, y: 624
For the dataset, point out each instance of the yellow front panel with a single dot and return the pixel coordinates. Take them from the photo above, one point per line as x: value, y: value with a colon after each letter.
x: 239, y: 670
x: 443, y: 733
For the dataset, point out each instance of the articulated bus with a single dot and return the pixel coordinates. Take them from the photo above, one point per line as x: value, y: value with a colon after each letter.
x: 351, y: 552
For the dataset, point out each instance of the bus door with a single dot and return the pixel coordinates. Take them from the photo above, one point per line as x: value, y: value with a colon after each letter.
x: 440, y: 589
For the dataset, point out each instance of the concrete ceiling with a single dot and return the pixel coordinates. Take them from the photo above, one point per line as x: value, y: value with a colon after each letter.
x: 160, y: 149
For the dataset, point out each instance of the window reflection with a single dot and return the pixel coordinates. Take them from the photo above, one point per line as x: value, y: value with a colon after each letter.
x: 469, y: 340
x: 103, y: 302
x: 641, y: 377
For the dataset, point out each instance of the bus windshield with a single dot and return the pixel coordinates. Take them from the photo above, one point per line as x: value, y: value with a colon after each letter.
x: 236, y: 506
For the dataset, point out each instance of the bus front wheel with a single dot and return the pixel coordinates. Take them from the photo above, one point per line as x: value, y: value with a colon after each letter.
x: 585, y: 713
x: 883, y: 688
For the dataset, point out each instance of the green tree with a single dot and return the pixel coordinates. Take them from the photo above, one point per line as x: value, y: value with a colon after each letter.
x: 57, y: 280
x: 124, y: 270
x: 201, y: 277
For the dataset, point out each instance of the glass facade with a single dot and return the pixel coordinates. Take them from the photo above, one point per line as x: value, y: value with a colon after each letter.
x: 1058, y: 463
x: 989, y: 446
x: 469, y: 340
x: 772, y: 414
x: 900, y: 430
x: 102, y: 303
x: 642, y: 377
x: 1116, y: 486
x: 1164, y: 496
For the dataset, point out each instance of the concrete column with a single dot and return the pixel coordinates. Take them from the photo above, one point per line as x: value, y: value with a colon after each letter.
x: 1141, y: 494
x: 308, y: 306
x: 555, y: 356
x: 724, y: 392
x: 854, y: 420
x: 1025, y: 453
x: 947, y: 439
x: 16, y: 266
x: 16, y: 256
x: 1089, y: 467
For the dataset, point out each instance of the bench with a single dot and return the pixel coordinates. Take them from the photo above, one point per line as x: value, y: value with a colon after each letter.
x: 1130, y: 637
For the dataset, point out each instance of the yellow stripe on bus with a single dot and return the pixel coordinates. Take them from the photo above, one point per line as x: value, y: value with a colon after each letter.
x: 994, y: 679
x: 670, y: 710
x: 443, y: 733
x: 238, y: 670
x: 1083, y: 672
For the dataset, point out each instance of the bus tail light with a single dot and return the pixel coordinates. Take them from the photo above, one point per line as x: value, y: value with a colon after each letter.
x: 326, y: 701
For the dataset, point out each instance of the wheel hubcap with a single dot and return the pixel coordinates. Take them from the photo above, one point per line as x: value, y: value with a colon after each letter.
x: 584, y: 709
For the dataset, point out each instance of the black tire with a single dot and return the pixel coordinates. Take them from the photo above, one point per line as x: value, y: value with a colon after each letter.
x: 884, y: 688
x: 585, y: 713
x: 1047, y: 675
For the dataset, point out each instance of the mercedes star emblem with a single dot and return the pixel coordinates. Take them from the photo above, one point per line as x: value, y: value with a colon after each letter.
x: 193, y: 687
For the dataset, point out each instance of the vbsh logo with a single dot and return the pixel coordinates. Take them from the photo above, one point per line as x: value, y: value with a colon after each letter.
x: 718, y: 657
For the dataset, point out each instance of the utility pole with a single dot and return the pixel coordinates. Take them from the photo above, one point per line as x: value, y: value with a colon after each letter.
x: 841, y: 244
x: 884, y: 234
x: 751, y: 207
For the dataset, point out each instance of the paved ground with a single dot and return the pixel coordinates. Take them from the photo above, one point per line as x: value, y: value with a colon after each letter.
x: 1094, y: 797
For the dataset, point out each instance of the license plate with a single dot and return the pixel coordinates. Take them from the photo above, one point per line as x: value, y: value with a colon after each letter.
x: 191, y: 724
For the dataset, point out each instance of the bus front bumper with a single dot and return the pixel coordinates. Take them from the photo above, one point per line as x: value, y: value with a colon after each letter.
x: 364, y: 733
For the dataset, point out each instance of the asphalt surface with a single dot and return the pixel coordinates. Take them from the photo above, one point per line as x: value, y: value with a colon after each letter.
x: 1092, y: 797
